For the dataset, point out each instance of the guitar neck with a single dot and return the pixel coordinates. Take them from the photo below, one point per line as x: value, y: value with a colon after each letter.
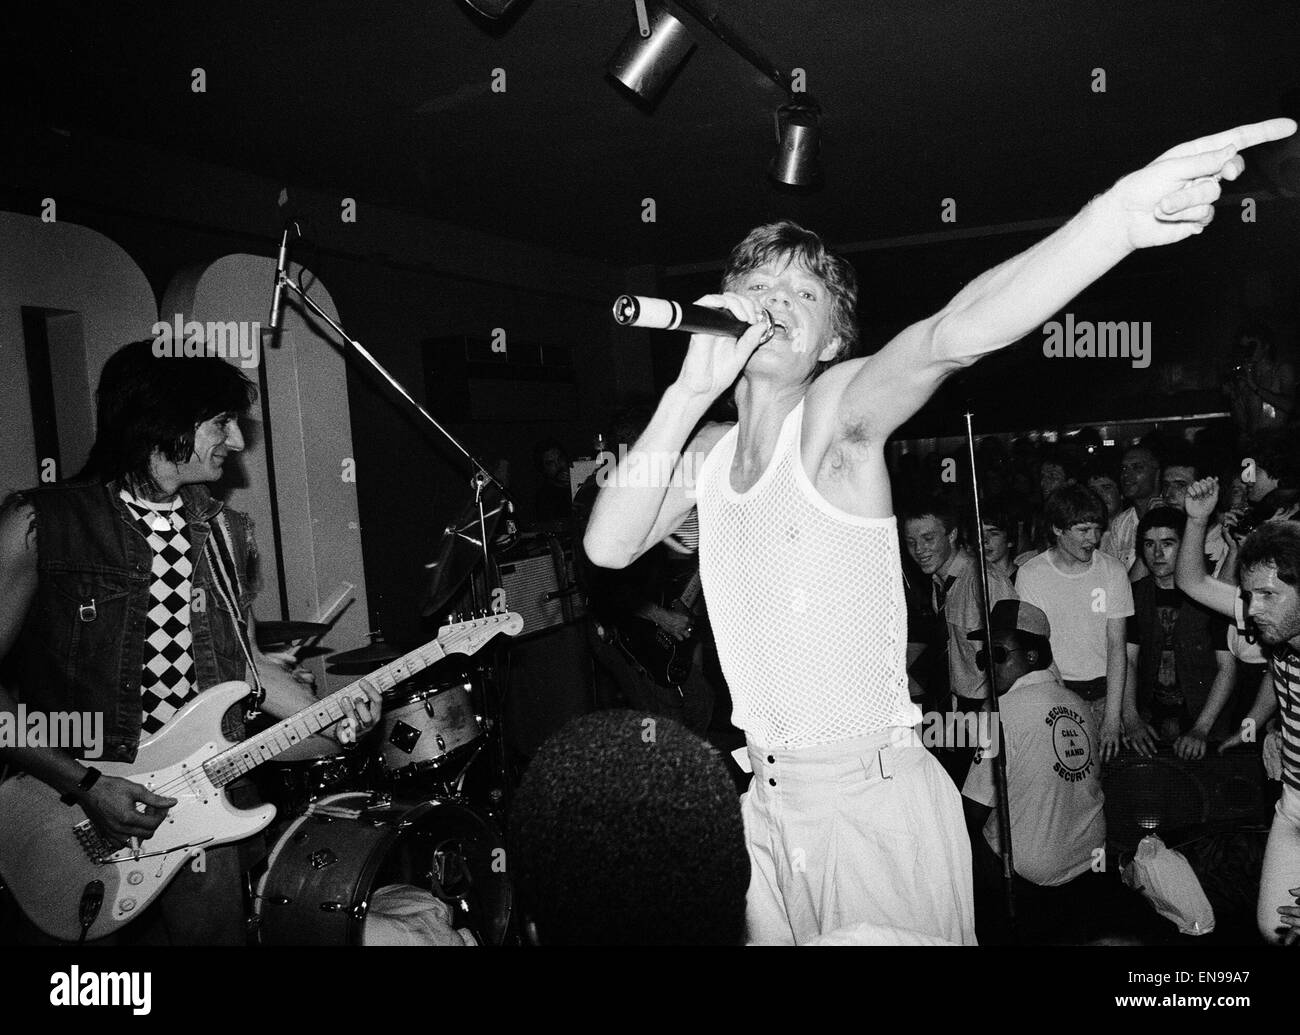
x: 247, y: 755
x: 691, y: 593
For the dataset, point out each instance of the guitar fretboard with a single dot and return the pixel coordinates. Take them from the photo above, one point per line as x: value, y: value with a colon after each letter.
x: 247, y: 755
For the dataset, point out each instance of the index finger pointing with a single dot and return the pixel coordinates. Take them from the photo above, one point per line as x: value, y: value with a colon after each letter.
x: 1239, y: 137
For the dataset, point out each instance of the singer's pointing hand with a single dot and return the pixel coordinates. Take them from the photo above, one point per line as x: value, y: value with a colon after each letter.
x: 712, y: 363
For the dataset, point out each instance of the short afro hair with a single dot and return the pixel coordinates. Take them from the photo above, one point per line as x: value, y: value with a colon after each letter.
x: 626, y: 830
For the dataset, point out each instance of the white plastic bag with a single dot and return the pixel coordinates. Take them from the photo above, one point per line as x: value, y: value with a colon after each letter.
x: 1167, y: 880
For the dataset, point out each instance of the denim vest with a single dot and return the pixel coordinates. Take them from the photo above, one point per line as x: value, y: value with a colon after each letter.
x: 82, y: 644
x: 1193, y: 649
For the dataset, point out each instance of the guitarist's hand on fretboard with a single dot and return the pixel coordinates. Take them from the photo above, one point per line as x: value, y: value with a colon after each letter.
x: 115, y: 807
x: 362, y: 713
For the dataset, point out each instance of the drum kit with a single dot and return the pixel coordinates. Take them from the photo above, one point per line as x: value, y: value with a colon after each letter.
x: 382, y: 844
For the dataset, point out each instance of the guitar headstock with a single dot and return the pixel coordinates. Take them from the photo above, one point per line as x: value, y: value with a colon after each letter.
x: 468, y: 637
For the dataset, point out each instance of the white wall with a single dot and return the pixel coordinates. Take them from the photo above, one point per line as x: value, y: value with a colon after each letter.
x: 311, y: 439
x: 107, y: 301
x: 100, y: 299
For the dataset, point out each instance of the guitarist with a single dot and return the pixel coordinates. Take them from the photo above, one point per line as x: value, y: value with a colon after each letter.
x: 628, y: 606
x: 126, y: 592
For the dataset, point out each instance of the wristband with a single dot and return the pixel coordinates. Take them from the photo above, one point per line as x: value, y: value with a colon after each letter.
x: 87, y: 782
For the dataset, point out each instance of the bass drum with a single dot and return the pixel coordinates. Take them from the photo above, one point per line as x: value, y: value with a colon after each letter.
x: 349, y: 849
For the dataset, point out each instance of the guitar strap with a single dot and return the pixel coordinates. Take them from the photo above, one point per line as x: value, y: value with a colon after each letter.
x: 221, y: 562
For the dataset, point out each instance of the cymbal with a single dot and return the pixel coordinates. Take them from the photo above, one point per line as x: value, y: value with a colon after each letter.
x: 460, y: 550
x: 362, y: 660
x: 270, y: 634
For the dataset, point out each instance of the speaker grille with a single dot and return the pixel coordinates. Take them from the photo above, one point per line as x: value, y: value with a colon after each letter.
x: 1165, y: 793
x: 528, y: 581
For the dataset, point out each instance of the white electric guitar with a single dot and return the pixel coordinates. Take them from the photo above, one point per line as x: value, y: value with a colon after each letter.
x: 69, y: 879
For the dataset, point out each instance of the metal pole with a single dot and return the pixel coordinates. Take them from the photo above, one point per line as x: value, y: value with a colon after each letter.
x: 991, y: 701
x: 359, y: 349
x: 732, y: 39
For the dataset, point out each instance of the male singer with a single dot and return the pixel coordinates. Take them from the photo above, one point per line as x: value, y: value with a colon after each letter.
x: 850, y: 822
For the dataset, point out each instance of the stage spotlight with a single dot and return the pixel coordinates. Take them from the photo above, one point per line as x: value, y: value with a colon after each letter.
x: 644, y: 64
x: 797, y: 162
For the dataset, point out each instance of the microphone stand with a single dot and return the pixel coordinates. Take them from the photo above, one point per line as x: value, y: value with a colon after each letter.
x: 480, y: 479
x: 991, y: 706
x: 481, y: 476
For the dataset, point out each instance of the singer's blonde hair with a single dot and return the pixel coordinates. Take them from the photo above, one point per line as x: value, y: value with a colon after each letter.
x: 786, y: 242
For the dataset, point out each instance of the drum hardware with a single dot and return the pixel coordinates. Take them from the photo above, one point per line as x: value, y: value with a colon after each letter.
x: 294, y: 786
x: 473, y: 532
x: 358, y: 912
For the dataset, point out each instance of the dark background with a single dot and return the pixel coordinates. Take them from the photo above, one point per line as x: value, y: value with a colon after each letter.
x: 523, y: 209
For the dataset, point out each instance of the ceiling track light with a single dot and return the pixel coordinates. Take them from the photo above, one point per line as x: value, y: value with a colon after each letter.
x: 651, y: 53
x: 657, y: 46
x: 797, y: 162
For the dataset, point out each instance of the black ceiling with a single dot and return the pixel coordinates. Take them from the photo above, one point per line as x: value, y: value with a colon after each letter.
x: 390, y: 101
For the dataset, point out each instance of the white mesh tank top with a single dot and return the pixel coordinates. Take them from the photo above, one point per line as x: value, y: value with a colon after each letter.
x: 806, y: 603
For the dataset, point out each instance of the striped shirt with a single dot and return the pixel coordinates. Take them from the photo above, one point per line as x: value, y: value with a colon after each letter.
x: 686, y: 537
x: 1284, y: 666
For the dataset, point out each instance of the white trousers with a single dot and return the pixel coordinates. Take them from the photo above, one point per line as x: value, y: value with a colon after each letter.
x: 1281, y: 870
x: 863, y: 831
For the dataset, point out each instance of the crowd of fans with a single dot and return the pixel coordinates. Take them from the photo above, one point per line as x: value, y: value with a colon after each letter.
x: 1095, y: 653
x: 1104, y: 653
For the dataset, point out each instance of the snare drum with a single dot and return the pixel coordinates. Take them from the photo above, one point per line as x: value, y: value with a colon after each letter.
x: 427, y: 727
x: 325, y: 869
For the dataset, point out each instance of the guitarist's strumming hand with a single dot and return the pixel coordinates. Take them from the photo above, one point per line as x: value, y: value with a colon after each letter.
x: 361, y: 713
x: 122, y: 810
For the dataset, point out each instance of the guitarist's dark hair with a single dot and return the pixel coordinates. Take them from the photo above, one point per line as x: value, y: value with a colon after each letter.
x: 626, y: 830
x: 147, y: 402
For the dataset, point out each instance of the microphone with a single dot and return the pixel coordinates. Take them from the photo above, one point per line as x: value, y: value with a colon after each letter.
x: 662, y: 314
x: 277, y: 298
